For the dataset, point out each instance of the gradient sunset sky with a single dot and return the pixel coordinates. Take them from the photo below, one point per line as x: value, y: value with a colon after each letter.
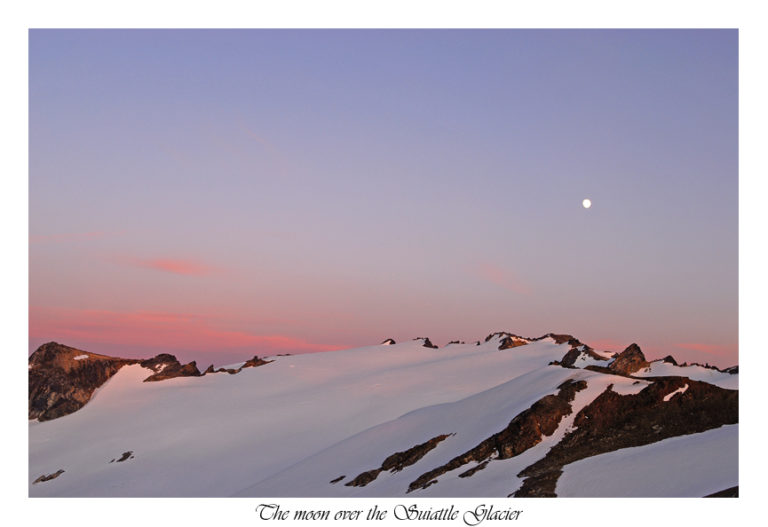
x: 217, y: 194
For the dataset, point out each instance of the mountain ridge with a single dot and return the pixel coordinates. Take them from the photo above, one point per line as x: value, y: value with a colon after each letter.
x: 392, y: 419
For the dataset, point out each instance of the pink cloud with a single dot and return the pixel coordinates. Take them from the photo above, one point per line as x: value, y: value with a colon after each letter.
x: 171, y: 331
x: 501, y: 277
x: 180, y: 266
x: 176, y: 266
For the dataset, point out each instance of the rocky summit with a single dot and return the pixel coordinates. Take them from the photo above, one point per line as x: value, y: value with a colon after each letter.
x: 62, y: 379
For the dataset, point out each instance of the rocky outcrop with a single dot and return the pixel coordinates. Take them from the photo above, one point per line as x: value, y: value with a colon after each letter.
x: 575, y: 353
x: 125, y: 457
x: 511, y: 342
x: 669, y: 359
x: 427, y: 343
x: 49, y: 476
x: 388, y: 342
x: 166, y: 366
x: 732, y: 369
x: 732, y: 492
x: 526, y: 430
x: 629, y: 361
x: 475, y: 469
x: 508, y: 340
x: 255, y: 362
x: 612, y: 422
x: 62, y: 379
x: 398, y: 461
x: 561, y: 338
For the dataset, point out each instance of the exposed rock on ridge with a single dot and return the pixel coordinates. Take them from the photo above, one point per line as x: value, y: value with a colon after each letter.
x: 614, y: 421
x: 397, y: 461
x: 526, y: 430
x: 427, y: 343
x: 629, y: 361
x: 250, y: 363
x: 62, y: 379
x: 508, y: 340
x: 166, y: 366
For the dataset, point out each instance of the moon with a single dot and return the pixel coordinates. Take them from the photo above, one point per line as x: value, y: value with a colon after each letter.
x: 586, y: 203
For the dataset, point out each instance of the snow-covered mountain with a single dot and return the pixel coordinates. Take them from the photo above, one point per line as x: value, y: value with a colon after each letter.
x: 509, y: 416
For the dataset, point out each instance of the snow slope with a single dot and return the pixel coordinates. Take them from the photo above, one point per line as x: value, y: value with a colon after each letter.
x: 471, y: 420
x: 218, y: 434
x: 291, y: 426
x: 686, y: 466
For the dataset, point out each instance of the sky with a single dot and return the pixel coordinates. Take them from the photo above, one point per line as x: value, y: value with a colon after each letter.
x: 217, y: 194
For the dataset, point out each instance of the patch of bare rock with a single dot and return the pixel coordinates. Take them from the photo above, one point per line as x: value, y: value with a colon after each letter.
x: 629, y: 361
x: 526, y: 430
x: 255, y: 362
x: 612, y: 422
x: 426, y: 342
x: 398, y: 461
x: 48, y: 477
x: 166, y: 366
x: 62, y: 379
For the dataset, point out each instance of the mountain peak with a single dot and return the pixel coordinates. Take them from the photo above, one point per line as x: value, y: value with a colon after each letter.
x: 629, y: 361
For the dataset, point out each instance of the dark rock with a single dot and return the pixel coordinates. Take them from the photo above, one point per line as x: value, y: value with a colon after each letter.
x: 511, y: 342
x: 733, y: 370
x: 477, y: 468
x: 60, y: 385
x: 333, y: 481
x: 427, y: 342
x: 456, y: 342
x: 732, y: 492
x: 570, y: 358
x: 526, y: 430
x: 209, y: 369
x: 166, y: 366
x: 125, y: 456
x: 255, y: 362
x: 363, y: 479
x: 49, y: 476
x: 669, y: 359
x: 629, y: 361
x: 508, y: 340
x: 560, y: 338
x: 155, y: 362
x: 389, y: 342
x: 398, y: 461
x: 612, y: 422
x: 705, y: 365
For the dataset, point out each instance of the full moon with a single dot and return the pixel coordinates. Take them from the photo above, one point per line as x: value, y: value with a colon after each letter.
x: 587, y: 203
